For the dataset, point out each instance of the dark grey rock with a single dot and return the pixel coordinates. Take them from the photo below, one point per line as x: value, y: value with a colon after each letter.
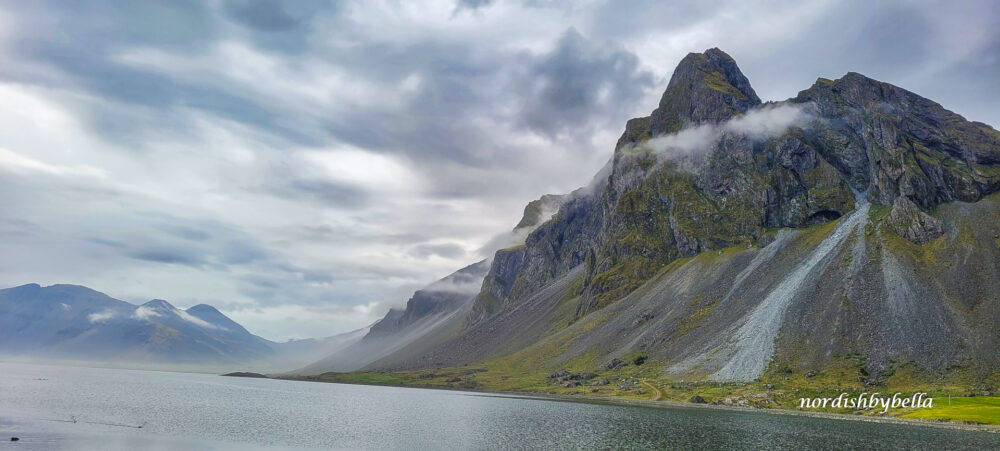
x: 559, y: 374
x: 616, y: 364
x: 911, y: 223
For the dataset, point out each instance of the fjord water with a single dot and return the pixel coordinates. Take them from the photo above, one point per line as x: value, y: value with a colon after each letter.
x: 40, y: 403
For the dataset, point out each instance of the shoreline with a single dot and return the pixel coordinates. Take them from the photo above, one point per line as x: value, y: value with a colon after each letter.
x: 686, y: 405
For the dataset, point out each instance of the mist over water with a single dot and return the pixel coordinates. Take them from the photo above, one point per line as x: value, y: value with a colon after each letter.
x: 197, y: 411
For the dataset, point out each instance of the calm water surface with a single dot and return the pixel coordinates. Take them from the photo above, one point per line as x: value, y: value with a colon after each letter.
x: 40, y: 403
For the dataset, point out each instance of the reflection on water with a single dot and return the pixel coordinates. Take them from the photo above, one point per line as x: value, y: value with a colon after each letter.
x: 53, y: 407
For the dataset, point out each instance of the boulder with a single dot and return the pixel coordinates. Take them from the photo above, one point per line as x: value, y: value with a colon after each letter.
x: 559, y: 374
x: 616, y: 364
x: 697, y: 400
x: 913, y: 224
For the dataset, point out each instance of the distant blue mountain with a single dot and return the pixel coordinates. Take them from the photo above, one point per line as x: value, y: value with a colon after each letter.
x: 75, y: 322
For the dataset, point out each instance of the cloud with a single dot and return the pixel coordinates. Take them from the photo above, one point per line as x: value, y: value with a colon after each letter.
x: 684, y: 143
x: 262, y: 15
x: 13, y: 161
x: 471, y: 6
x: 197, y: 321
x: 580, y: 82
x: 446, y: 250
x: 324, y: 192
x: 174, y: 255
x: 145, y: 313
x: 100, y: 317
x: 760, y: 123
x: 469, y: 286
x: 518, y: 235
x: 768, y: 121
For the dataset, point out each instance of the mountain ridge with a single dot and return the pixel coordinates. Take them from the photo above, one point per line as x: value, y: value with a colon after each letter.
x: 73, y: 322
x: 840, y: 208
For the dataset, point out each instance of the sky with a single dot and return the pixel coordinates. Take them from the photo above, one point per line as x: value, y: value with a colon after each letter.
x: 304, y: 166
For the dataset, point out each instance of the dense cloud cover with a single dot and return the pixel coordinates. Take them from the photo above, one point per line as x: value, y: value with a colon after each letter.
x: 305, y: 165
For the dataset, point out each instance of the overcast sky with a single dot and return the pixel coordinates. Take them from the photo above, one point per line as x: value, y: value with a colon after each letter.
x: 303, y: 166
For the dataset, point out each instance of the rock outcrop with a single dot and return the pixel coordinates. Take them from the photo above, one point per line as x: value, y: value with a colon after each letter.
x: 911, y: 223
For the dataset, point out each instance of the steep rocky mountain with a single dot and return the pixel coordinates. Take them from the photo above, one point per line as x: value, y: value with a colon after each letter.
x: 729, y: 236
x: 72, y: 322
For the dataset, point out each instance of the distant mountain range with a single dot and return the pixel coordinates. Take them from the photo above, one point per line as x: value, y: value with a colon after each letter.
x: 72, y: 322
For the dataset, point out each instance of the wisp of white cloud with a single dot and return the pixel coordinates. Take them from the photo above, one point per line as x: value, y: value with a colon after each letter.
x: 758, y: 124
x: 517, y: 237
x: 145, y: 313
x: 100, y: 317
x: 196, y: 321
x: 768, y: 121
x: 13, y: 161
x: 469, y: 286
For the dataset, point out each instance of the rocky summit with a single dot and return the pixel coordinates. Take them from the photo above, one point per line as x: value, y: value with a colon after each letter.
x: 730, y: 238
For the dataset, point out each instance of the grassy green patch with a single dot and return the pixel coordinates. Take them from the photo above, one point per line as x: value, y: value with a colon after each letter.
x: 979, y: 409
x: 717, y: 81
x: 361, y: 378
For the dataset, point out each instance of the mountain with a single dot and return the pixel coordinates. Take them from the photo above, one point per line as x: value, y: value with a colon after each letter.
x: 72, y: 322
x: 729, y: 239
x: 434, y: 313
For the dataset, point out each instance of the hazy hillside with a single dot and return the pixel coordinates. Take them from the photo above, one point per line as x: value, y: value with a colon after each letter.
x: 70, y: 322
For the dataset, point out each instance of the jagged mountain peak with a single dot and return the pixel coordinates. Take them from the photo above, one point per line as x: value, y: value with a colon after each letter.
x: 706, y: 87
x: 540, y: 210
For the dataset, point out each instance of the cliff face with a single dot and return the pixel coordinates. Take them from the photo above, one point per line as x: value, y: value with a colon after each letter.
x: 752, y: 168
x: 891, y: 142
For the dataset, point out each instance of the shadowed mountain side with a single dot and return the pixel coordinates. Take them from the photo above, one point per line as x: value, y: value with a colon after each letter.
x: 543, y: 313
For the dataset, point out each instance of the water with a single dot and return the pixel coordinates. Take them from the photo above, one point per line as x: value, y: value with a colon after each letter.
x: 199, y: 411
